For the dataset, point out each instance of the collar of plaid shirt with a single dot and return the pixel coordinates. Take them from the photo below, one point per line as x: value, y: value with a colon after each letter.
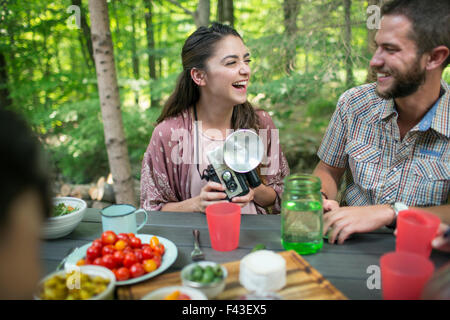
x: 437, y: 118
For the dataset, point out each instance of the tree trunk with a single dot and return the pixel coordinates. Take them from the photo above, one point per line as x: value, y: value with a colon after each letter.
x: 225, y: 12
x: 159, y: 60
x: 134, y: 55
x: 371, y: 32
x: 150, y: 47
x: 116, y: 145
x: 59, y: 68
x: 46, y: 71
x: 291, y: 9
x: 5, y: 100
x: 201, y: 16
x: 349, y: 79
x: 86, y: 30
x: 12, y: 51
x: 84, y: 50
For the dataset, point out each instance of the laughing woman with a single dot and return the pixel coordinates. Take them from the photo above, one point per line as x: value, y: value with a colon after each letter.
x: 210, y: 98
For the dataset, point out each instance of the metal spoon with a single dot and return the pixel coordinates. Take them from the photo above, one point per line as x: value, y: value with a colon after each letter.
x: 197, y: 254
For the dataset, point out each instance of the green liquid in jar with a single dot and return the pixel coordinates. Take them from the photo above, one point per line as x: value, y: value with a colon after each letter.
x: 301, y: 226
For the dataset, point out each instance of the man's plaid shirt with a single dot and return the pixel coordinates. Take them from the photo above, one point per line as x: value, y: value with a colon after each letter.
x: 363, y: 137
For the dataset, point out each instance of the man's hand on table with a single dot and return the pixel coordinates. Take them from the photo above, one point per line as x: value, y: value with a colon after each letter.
x: 440, y: 242
x: 329, y: 205
x: 345, y: 221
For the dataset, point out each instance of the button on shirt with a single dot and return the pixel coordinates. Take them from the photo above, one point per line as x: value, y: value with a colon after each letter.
x: 363, y: 136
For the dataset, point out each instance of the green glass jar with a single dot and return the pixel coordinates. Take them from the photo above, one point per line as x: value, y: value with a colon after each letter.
x: 302, y: 214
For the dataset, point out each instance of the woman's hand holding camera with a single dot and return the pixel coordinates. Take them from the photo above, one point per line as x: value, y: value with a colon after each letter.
x: 212, y: 192
x: 244, y: 200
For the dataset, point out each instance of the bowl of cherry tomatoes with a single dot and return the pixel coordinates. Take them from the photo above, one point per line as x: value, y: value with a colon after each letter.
x: 130, y: 257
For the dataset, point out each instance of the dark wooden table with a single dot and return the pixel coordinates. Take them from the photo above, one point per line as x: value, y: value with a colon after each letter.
x: 348, y: 267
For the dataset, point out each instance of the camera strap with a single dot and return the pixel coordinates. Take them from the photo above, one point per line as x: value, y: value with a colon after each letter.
x: 202, y: 176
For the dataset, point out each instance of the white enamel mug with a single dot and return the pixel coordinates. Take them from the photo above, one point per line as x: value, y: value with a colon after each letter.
x: 121, y: 218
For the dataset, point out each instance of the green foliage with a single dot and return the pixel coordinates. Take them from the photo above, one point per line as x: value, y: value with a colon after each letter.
x: 319, y: 110
x: 139, y: 125
x: 77, y: 143
x: 52, y: 82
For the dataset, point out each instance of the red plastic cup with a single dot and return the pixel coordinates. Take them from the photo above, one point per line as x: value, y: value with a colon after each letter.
x: 224, y: 222
x: 404, y: 275
x: 415, y: 231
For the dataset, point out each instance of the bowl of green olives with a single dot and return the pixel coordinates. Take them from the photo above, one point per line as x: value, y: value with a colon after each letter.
x: 206, y: 276
x: 81, y: 283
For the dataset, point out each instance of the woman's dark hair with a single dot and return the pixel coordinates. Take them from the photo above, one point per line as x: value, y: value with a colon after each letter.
x: 430, y: 22
x: 21, y: 166
x: 197, y: 49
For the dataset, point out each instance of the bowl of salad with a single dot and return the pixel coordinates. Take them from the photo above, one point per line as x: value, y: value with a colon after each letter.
x: 67, y: 213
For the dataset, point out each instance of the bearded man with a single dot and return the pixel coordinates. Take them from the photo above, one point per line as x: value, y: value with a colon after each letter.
x: 391, y: 139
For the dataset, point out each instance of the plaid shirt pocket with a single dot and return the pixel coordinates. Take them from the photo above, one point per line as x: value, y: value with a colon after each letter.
x: 431, y: 185
x: 364, y: 163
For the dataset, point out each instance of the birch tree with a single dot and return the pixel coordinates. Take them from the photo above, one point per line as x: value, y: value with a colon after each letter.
x: 116, y: 145
x: 150, y: 47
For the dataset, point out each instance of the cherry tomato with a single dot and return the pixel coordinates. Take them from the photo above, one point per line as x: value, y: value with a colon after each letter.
x: 109, y: 237
x: 173, y: 296
x: 135, y: 242
x: 149, y: 265
x: 98, y: 262
x: 154, y: 242
x: 157, y: 260
x: 137, y: 270
x: 159, y: 249
x: 108, y: 261
x: 97, y: 243
x: 147, y: 253
x: 183, y: 296
x: 127, y: 250
x: 81, y: 262
x: 138, y: 254
x: 129, y: 259
x: 123, y: 236
x: 88, y: 261
x: 118, y: 258
x: 123, y: 274
x: 131, y: 235
x: 108, y: 249
x: 121, y: 244
x: 93, y: 252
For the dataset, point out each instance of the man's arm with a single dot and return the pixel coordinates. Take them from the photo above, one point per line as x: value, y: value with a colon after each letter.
x: 443, y: 212
x: 345, y: 221
x: 330, y: 177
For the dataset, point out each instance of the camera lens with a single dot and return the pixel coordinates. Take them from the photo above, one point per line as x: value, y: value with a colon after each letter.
x: 226, y: 176
x: 232, y: 186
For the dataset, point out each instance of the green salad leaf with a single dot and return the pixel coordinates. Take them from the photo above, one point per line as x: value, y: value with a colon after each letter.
x: 61, y: 209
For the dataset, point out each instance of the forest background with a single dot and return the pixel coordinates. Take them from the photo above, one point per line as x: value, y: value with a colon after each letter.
x: 305, y: 54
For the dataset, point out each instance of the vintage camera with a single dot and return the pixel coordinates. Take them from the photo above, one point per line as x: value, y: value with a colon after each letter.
x: 234, y: 164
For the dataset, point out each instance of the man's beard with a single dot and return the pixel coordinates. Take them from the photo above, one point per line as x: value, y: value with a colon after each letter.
x: 404, y: 84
